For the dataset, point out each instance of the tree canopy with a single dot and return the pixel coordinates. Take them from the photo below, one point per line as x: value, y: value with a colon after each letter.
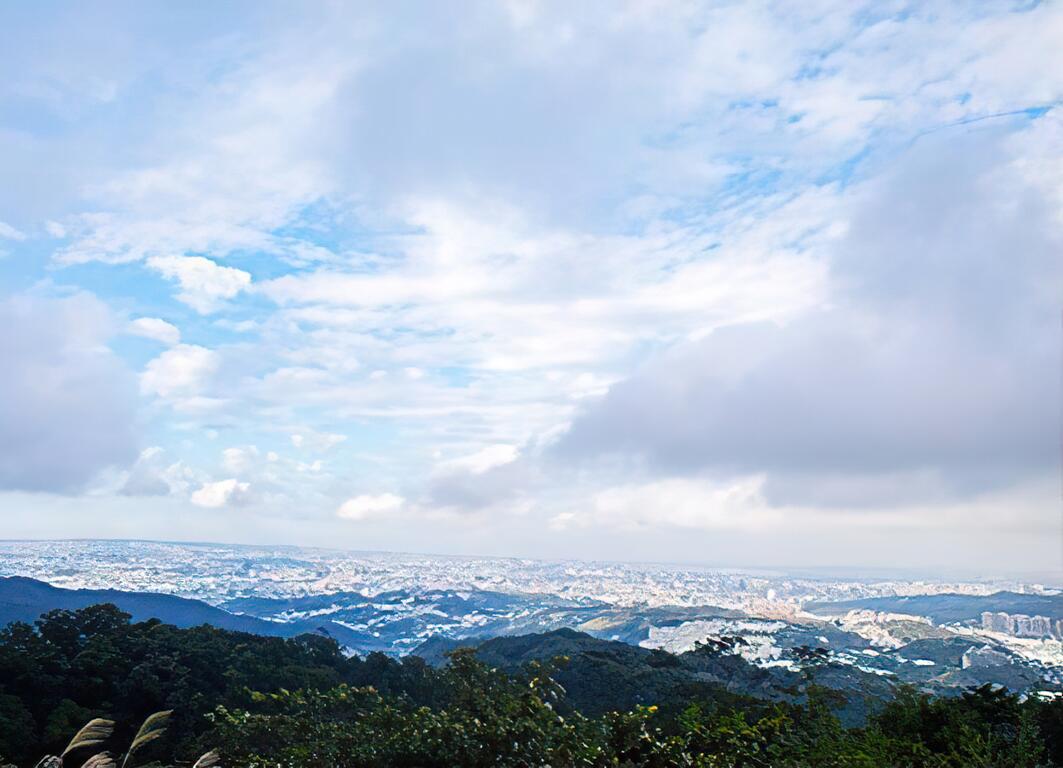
x: 302, y: 702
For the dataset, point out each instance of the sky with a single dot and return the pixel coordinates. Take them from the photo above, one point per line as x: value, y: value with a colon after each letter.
x: 745, y: 283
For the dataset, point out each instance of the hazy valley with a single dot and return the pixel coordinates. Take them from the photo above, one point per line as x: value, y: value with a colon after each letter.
x: 940, y: 636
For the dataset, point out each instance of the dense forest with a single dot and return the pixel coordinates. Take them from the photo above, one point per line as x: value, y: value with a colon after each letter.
x: 263, y: 701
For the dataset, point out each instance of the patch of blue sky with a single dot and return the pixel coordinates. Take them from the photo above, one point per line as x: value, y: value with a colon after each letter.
x: 135, y: 351
x: 363, y: 434
x: 1035, y: 112
x: 1019, y: 118
x: 22, y: 265
x: 260, y: 264
x: 128, y: 287
x: 397, y: 331
x: 21, y: 113
x: 689, y: 256
x: 133, y: 291
x: 815, y: 69
x: 752, y: 104
x: 231, y: 321
x: 455, y: 376
x: 758, y: 179
x: 755, y: 176
x: 848, y: 170
x: 693, y: 128
x: 876, y: 13
x: 325, y: 225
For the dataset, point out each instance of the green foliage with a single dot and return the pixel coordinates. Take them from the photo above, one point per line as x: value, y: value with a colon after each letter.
x: 494, y: 719
x: 73, y: 666
x: 300, y: 703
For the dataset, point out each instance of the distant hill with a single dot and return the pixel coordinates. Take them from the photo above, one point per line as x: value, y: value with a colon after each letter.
x: 25, y: 599
x: 397, y: 621
x: 603, y: 674
x: 705, y: 706
x: 946, y: 608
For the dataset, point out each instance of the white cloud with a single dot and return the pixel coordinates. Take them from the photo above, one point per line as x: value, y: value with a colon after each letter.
x: 8, y: 232
x: 145, y: 478
x: 597, y: 212
x: 67, y: 402
x: 237, y: 157
x: 683, y: 503
x: 483, y: 460
x: 220, y: 493
x: 156, y: 329
x: 494, y: 479
x: 180, y: 372
x: 204, y: 284
x: 368, y: 507
x: 313, y: 440
x: 239, y: 460
x: 154, y: 475
x: 908, y: 372
x: 530, y: 319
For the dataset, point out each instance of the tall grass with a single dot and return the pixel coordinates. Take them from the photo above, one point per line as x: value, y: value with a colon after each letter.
x: 99, y: 730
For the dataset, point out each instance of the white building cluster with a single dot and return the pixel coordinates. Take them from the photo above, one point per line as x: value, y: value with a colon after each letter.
x: 1021, y: 625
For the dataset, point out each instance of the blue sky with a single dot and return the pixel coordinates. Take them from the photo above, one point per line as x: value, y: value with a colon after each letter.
x: 736, y: 283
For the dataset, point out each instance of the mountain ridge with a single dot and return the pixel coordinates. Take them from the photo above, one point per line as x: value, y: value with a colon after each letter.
x: 948, y: 606
x: 26, y: 599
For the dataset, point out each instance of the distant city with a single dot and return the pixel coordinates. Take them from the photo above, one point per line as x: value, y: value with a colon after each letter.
x: 931, y: 633
x: 215, y: 573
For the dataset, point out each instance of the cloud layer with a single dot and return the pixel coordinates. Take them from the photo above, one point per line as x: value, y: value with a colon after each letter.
x: 67, y: 403
x: 938, y: 355
x: 652, y: 279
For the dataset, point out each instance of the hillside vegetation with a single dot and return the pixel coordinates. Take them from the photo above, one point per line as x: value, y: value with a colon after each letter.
x: 300, y: 702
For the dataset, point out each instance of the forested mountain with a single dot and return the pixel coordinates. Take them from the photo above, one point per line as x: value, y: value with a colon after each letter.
x: 603, y: 675
x: 560, y: 698
x: 862, y: 657
x: 24, y: 599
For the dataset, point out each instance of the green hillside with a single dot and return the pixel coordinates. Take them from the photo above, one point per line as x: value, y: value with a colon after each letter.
x: 558, y: 699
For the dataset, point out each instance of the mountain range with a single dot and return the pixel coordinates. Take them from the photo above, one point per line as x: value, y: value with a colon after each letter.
x: 762, y: 657
x: 24, y: 599
x: 947, y: 608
